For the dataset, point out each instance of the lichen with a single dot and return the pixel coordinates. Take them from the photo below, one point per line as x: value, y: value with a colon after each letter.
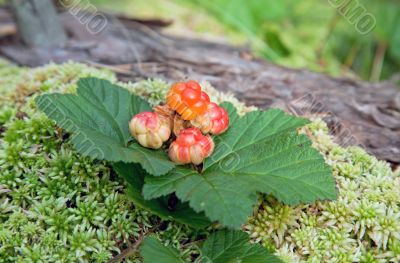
x: 57, y: 206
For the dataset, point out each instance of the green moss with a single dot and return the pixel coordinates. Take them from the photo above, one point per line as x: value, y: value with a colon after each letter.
x: 58, y: 206
x: 362, y: 225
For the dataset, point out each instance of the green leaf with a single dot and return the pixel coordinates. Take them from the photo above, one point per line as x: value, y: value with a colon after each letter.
x: 259, y: 152
x: 182, y: 213
x: 229, y: 246
x: 153, y: 250
x: 249, y: 133
x: 98, y: 116
x: 222, y: 198
x: 224, y: 246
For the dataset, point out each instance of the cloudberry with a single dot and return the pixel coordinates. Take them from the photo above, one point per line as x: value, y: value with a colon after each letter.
x: 191, y: 146
x: 187, y: 99
x: 215, y: 120
x: 150, y: 129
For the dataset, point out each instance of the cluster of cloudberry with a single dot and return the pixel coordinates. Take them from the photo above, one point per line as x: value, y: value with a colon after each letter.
x: 189, y: 117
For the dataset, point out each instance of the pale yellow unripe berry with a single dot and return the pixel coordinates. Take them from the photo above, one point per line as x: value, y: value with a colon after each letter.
x: 150, y: 130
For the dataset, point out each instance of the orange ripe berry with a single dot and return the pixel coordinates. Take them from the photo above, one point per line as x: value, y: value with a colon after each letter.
x: 214, y: 121
x: 191, y: 146
x: 150, y: 130
x: 187, y: 99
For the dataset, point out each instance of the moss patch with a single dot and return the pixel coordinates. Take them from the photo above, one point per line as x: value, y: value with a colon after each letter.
x: 362, y: 225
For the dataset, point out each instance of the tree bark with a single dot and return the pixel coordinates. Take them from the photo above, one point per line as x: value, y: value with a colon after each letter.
x: 38, y: 23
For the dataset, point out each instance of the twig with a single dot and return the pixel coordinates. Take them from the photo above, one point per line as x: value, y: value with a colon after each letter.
x: 134, y: 247
x: 129, y: 251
